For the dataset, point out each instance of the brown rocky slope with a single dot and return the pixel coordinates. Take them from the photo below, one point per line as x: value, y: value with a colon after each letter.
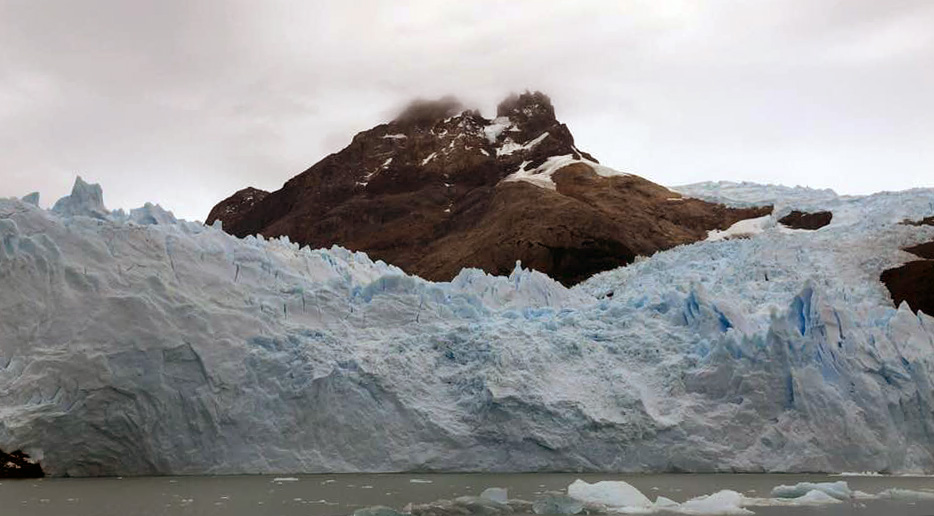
x: 913, y: 282
x: 439, y: 189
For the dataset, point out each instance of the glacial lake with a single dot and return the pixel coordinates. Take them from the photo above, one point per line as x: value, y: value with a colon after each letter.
x: 327, y: 495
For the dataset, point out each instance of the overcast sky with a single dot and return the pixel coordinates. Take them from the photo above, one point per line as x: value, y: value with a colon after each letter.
x: 184, y: 102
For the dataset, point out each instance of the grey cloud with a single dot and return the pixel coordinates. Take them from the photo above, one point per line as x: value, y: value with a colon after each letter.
x: 184, y: 102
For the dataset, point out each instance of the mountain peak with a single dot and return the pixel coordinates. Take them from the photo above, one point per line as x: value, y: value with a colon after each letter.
x: 439, y: 189
x: 422, y: 112
x: 526, y: 106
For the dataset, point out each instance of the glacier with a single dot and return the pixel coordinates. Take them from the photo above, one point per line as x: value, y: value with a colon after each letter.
x: 138, y: 344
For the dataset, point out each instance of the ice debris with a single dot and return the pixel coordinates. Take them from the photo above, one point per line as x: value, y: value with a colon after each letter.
x: 557, y: 503
x: 721, y: 502
x: 839, y: 490
x: 618, y: 497
x: 496, y: 494
x: 377, y: 510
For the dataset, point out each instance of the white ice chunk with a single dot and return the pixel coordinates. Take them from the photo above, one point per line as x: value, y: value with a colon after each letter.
x: 495, y: 494
x: 612, y: 493
x: 839, y: 490
x: 721, y: 502
x: 896, y: 493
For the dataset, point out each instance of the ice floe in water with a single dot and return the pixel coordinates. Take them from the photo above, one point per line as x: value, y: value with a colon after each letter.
x: 839, y: 490
x: 610, y: 493
x: 619, y: 497
x: 495, y: 494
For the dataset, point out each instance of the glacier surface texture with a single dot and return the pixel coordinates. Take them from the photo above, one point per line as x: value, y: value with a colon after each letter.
x: 136, y: 344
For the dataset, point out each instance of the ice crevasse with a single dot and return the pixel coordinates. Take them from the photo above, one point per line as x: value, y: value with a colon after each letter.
x: 140, y: 344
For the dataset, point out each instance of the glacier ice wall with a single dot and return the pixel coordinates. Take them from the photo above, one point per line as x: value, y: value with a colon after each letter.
x: 145, y: 345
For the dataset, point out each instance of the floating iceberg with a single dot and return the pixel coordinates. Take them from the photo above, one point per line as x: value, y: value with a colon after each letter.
x: 721, y: 502
x: 609, y: 493
x: 839, y: 490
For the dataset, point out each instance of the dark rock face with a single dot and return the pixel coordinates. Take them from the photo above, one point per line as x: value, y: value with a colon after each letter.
x: 435, y: 190
x: 927, y: 221
x: 925, y: 250
x: 231, y: 210
x: 18, y: 465
x: 914, y: 281
x: 802, y: 220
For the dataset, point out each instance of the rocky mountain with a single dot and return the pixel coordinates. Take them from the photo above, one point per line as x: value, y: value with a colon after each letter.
x: 440, y: 188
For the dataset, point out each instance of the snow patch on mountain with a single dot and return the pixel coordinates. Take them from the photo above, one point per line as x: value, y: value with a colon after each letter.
x: 509, y: 146
x: 540, y: 176
x: 495, y: 128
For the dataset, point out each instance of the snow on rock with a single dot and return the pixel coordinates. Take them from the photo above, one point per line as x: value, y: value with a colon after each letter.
x: 496, y: 128
x: 541, y: 176
x: 509, y: 146
x: 429, y: 158
x: 174, y: 348
x: 742, y: 229
x: 612, y: 493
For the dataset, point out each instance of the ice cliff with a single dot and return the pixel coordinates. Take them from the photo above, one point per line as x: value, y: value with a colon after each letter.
x: 139, y: 344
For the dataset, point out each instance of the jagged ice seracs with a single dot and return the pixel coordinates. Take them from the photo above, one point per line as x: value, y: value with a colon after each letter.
x: 136, y: 344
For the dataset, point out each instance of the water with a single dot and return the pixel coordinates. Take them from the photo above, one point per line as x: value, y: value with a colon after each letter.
x: 327, y: 495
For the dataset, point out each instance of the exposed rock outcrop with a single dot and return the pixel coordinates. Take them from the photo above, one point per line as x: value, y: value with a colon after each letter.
x: 18, y: 465
x: 925, y: 250
x: 439, y: 189
x: 913, y: 282
x: 231, y: 210
x: 803, y: 220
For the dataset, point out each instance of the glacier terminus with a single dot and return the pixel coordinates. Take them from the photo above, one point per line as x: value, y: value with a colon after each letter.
x: 138, y: 344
